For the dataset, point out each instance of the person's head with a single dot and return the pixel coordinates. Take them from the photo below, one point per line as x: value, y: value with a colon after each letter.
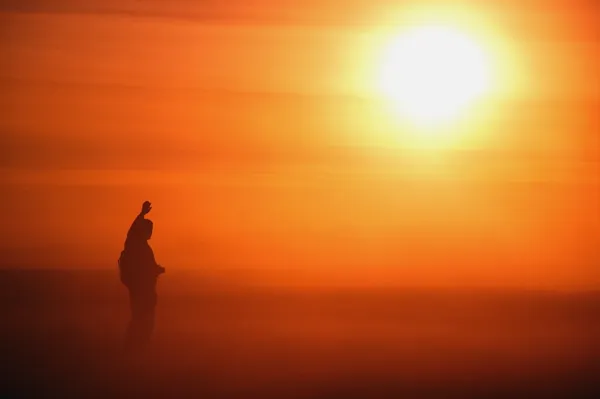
x: 146, y: 228
x: 140, y: 231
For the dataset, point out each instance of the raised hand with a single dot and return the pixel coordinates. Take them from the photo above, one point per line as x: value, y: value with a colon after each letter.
x: 146, y: 207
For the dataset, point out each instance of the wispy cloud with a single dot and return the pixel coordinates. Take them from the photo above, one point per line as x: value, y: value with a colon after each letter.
x: 261, y: 11
x: 528, y: 17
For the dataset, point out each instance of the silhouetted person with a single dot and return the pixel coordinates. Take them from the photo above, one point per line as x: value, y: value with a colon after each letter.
x: 139, y: 273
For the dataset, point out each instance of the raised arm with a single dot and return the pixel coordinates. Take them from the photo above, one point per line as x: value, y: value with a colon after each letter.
x: 146, y: 208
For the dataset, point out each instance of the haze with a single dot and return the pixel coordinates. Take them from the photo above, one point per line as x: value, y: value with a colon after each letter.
x: 258, y: 136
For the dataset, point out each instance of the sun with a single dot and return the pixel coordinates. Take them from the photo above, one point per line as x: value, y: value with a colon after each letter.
x: 432, y: 73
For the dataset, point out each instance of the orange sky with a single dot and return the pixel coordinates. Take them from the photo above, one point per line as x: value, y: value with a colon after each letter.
x: 257, y: 134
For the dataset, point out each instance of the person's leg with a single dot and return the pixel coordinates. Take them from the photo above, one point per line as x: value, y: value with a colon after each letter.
x: 135, y: 326
x: 147, y: 313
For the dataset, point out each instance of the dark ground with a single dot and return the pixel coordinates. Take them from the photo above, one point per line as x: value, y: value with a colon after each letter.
x: 61, y: 334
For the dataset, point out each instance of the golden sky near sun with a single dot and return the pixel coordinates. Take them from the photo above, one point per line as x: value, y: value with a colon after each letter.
x: 265, y: 128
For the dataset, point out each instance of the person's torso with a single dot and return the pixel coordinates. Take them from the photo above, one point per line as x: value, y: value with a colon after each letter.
x: 137, y: 262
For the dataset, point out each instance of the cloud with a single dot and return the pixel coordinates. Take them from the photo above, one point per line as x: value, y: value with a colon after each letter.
x: 262, y: 11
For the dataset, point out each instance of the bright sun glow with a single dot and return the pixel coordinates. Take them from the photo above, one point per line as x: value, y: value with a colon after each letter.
x: 432, y: 73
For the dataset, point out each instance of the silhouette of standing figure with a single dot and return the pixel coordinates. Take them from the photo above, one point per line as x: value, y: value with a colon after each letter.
x: 139, y: 273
